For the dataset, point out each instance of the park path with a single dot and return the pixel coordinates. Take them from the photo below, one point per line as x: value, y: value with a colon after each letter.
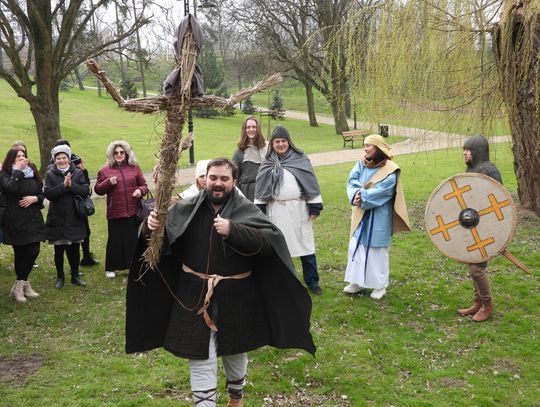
x: 418, y: 140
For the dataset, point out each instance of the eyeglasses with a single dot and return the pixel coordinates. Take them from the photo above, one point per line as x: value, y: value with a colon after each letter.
x: 119, y: 152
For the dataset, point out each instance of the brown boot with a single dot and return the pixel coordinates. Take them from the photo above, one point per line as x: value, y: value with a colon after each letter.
x: 472, y: 310
x: 235, y: 402
x: 485, y: 311
x: 17, y: 291
x: 28, y: 291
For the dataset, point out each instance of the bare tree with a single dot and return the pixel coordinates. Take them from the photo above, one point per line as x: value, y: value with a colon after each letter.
x: 45, y: 41
x: 300, y: 34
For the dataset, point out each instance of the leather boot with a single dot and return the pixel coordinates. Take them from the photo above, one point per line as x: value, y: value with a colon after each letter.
x: 485, y: 311
x: 473, y: 309
x: 76, y: 280
x: 235, y: 402
x: 29, y: 291
x: 17, y: 291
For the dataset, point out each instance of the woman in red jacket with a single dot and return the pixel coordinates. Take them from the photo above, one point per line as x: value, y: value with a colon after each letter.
x: 121, y: 179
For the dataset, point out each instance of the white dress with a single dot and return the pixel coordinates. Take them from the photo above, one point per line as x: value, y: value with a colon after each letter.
x: 290, y: 214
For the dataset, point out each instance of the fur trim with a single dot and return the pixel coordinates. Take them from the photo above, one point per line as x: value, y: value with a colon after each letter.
x: 130, y: 154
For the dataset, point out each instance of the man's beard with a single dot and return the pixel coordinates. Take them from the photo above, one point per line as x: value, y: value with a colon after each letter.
x: 218, y: 200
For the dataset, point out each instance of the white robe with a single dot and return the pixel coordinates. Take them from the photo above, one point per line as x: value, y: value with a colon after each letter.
x: 378, y: 266
x: 290, y: 214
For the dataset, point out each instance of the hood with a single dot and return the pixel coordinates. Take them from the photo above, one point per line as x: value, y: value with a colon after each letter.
x: 130, y: 154
x: 479, y: 147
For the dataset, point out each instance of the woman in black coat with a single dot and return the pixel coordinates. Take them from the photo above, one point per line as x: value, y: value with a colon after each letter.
x: 23, y: 222
x: 64, y: 228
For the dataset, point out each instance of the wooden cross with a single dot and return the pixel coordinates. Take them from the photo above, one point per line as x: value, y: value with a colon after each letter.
x: 174, y: 107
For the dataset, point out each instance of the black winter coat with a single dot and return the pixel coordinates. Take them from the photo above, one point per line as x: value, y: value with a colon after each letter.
x: 22, y: 226
x: 62, y: 221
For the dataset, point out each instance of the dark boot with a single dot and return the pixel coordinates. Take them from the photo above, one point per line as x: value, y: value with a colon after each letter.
x: 76, y: 280
x: 485, y: 311
x: 59, y: 283
x: 89, y: 260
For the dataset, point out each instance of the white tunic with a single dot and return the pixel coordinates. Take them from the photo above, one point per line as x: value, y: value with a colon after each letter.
x: 290, y: 214
x: 378, y: 266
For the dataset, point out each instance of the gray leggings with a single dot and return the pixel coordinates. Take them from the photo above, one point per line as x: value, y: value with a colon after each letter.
x: 204, y: 375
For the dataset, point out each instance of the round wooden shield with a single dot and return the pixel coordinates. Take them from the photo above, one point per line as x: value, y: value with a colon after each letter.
x: 470, y: 218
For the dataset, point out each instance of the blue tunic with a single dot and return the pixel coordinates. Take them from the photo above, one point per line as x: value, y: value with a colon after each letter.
x: 376, y: 201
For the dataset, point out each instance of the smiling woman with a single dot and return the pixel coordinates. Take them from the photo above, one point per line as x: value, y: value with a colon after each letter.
x: 65, y: 229
x: 122, y: 181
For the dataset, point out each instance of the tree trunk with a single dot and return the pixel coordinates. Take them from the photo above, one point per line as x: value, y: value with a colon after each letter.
x: 340, y: 120
x: 310, y: 105
x: 46, y: 111
x: 79, y: 78
x: 516, y: 48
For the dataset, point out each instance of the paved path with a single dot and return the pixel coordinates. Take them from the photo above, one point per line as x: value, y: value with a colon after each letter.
x: 418, y: 140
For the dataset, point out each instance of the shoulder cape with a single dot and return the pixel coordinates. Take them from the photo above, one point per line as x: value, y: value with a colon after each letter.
x: 400, y: 217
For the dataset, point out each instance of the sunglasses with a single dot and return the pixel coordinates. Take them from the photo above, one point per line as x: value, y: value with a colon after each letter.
x: 119, y: 152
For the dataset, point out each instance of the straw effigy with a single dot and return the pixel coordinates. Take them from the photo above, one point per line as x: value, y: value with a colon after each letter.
x: 171, y: 144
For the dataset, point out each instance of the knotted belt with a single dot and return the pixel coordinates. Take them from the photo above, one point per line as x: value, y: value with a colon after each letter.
x: 213, y: 280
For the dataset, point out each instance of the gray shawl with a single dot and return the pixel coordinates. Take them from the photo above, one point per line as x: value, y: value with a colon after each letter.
x: 270, y: 176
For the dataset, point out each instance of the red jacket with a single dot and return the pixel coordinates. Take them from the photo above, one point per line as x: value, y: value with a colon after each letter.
x: 120, y: 203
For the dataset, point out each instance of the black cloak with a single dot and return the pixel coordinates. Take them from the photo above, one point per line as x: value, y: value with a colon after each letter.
x: 285, y: 300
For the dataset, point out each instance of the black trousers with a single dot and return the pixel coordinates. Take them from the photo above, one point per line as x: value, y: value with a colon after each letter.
x: 25, y: 256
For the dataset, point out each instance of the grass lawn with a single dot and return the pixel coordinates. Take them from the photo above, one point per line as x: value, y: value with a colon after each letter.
x: 90, y: 123
x: 408, y: 349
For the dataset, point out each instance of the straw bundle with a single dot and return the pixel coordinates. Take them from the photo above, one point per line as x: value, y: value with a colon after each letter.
x: 169, y: 150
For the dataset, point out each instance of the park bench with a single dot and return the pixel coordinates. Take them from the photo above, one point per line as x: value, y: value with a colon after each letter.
x: 349, y: 137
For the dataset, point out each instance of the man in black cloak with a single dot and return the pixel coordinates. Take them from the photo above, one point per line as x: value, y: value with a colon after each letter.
x: 216, y: 237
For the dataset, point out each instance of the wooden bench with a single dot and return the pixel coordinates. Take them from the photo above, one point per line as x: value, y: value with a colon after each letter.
x: 349, y: 137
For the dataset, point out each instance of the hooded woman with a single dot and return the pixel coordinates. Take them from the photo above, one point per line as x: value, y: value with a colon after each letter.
x: 288, y: 192
x: 122, y: 180
x: 65, y: 229
x: 23, y: 223
x: 378, y: 210
x: 251, y: 151
x: 200, y: 180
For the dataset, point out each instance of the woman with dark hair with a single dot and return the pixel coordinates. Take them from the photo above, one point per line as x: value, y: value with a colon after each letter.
x: 251, y: 151
x: 122, y: 180
x: 375, y: 193
x: 23, y: 223
x: 64, y: 228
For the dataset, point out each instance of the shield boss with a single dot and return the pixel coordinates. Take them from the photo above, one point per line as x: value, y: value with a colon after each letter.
x: 470, y: 218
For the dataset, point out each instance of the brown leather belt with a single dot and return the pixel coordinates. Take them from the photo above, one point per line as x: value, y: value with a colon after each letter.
x: 213, y: 280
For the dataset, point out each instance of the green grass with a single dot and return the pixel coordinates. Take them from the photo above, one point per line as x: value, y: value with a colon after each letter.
x: 90, y: 123
x: 409, y: 349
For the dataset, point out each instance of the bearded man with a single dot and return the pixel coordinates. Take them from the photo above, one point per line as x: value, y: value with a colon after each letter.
x: 217, y: 236
x: 476, y: 157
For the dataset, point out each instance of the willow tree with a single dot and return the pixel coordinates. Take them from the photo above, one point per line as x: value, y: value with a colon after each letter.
x: 421, y: 57
x: 425, y: 57
x: 517, y: 50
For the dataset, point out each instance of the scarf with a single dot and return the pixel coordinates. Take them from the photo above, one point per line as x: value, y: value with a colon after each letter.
x: 63, y: 170
x: 28, y: 172
x: 270, y: 175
